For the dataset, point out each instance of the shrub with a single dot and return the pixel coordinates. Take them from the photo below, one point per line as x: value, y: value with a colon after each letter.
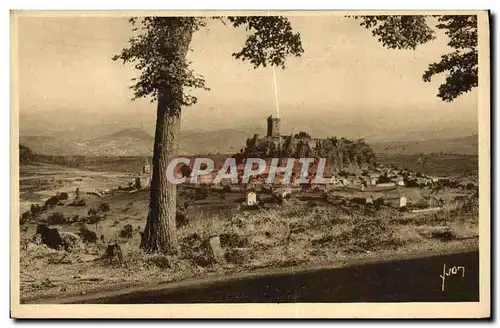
x: 104, y: 207
x: 201, y: 193
x: 56, y: 218
x: 370, y: 234
x: 159, y: 260
x: 63, y: 196
x: 25, y: 217
x: 236, y: 256
x: 88, y: 236
x: 233, y: 240
x: 52, y: 201
x: 126, y: 232
x: 181, y: 219
x: 36, y: 209
x: 79, y: 202
x: 93, y: 219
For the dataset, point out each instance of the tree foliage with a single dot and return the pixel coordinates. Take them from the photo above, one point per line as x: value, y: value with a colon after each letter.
x: 271, y: 41
x: 159, y: 50
x: 154, y: 51
x: 302, y: 134
x: 461, y: 64
x: 409, y: 31
x: 399, y: 32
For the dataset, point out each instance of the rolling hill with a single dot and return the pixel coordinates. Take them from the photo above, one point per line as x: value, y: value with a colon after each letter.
x: 137, y: 142
x: 463, y: 145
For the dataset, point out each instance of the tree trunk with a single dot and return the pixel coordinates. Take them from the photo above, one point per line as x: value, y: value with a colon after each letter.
x: 160, y: 232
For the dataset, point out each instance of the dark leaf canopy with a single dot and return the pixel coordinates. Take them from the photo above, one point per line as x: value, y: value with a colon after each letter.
x: 460, y: 66
x: 158, y: 50
x: 398, y: 32
x: 270, y: 42
x: 407, y: 32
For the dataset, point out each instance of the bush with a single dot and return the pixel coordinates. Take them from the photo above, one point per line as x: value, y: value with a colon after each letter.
x: 104, y: 207
x: 88, y: 236
x: 383, y: 179
x: 236, y: 256
x: 233, y: 240
x: 126, y: 232
x: 25, y: 217
x: 181, y: 219
x: 36, y: 209
x: 56, y: 218
x: 93, y: 219
x: 70, y: 241
x: 370, y: 234
x: 79, y: 202
x: 63, y: 196
x: 159, y: 260
x: 52, y: 201
x: 201, y: 193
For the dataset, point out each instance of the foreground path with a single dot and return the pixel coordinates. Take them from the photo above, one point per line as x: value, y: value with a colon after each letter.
x: 409, y: 280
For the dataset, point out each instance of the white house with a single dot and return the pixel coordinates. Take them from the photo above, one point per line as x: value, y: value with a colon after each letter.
x: 402, y: 201
x: 251, y: 198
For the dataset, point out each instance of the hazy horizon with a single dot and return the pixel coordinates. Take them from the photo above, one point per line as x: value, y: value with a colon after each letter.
x: 345, y: 81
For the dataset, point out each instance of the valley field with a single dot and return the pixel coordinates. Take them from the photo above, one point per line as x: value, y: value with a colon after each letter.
x: 452, y: 165
x: 310, y: 228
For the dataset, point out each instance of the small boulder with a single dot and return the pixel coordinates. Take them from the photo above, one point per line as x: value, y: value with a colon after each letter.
x: 49, y: 237
x: 71, y: 242
x: 216, y: 251
x: 114, y: 252
x: 88, y: 236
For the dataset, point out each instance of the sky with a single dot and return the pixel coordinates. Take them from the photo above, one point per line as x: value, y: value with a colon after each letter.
x: 345, y: 77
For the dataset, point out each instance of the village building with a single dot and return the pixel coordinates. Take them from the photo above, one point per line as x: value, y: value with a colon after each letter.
x: 142, y: 181
x: 146, y: 169
x: 398, y: 181
x: 402, y: 201
x: 386, y: 184
x: 251, y: 198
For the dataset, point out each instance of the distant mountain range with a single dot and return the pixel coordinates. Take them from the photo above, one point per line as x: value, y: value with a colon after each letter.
x: 464, y: 145
x: 137, y: 142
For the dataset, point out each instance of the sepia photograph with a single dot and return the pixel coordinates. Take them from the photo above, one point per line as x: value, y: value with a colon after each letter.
x: 250, y: 164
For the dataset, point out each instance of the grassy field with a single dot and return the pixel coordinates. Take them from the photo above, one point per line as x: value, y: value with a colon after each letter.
x: 435, y: 165
x: 308, y: 229
x: 431, y: 164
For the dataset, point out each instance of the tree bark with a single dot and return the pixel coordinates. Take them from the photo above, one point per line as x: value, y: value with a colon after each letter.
x: 160, y: 231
